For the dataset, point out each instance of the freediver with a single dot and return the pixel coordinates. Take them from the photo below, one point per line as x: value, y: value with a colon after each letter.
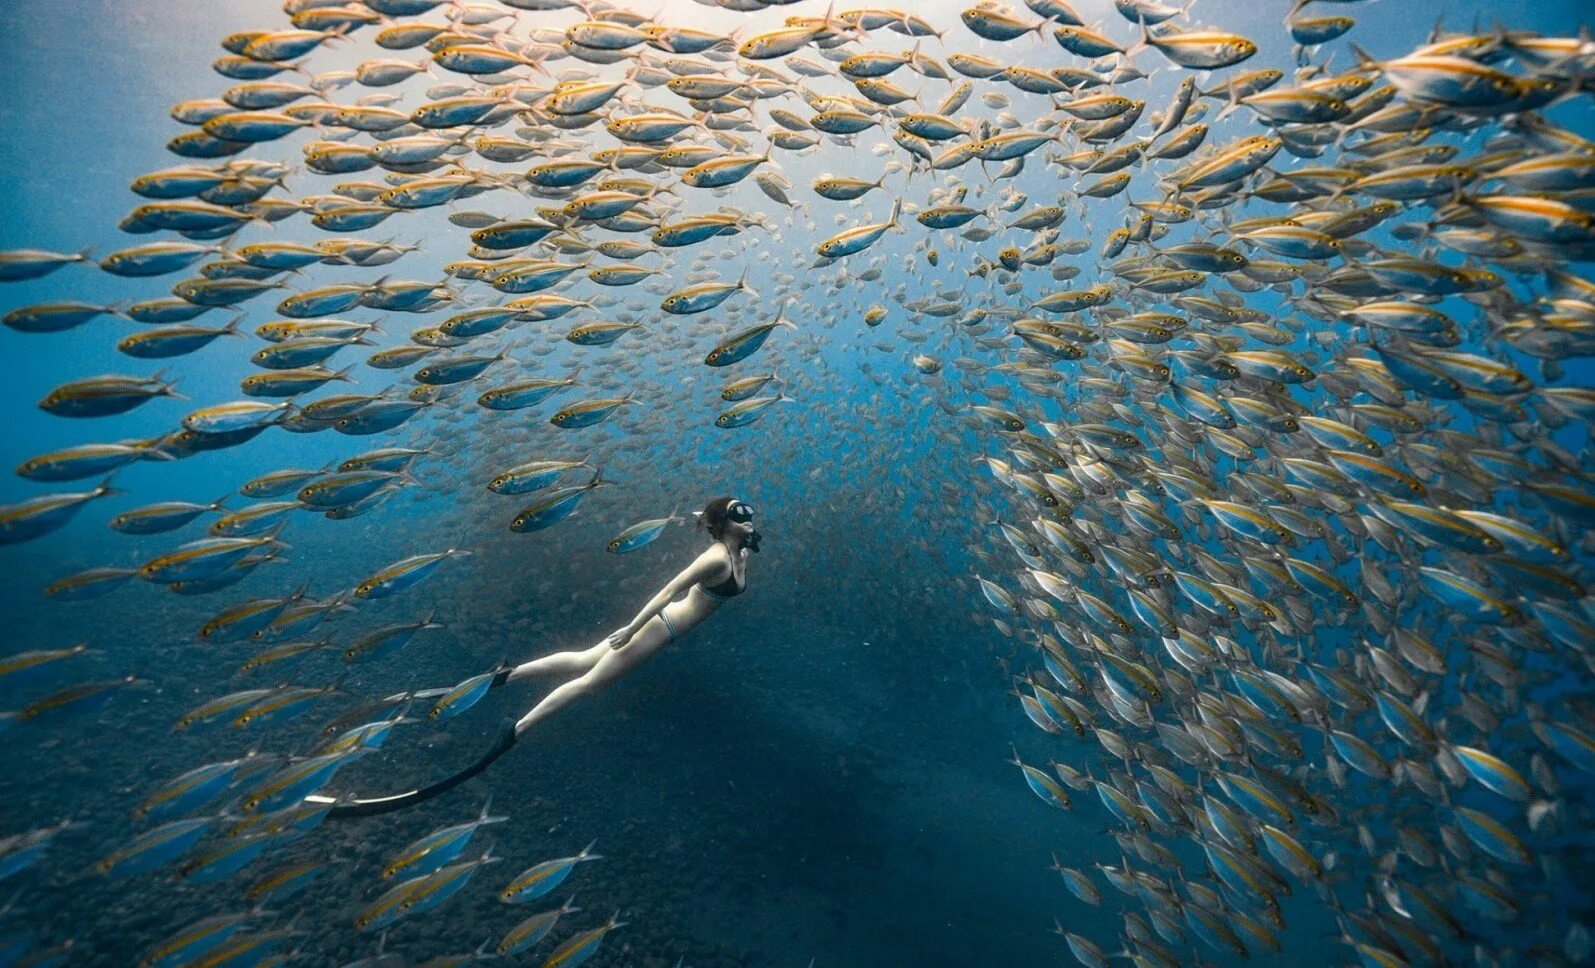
x: 717, y: 574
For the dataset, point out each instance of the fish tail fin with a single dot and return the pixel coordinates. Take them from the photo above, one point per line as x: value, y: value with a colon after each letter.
x: 1365, y: 60
x: 1144, y: 42
x: 897, y: 212
x: 270, y: 537
x: 1232, y: 106
x: 1350, y: 260
x: 536, y: 64
x: 152, y: 449
x: 742, y: 283
x: 104, y: 488
x: 1438, y: 30
x: 587, y: 852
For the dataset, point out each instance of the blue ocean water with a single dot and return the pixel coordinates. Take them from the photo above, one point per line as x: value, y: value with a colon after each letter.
x: 819, y: 773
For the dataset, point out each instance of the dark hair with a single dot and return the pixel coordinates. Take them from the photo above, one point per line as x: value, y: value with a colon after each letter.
x: 713, y: 519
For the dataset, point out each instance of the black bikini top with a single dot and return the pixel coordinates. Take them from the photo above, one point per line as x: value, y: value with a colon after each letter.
x: 726, y: 589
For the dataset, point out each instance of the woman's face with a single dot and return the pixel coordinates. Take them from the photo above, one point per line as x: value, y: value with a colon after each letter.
x: 739, y: 519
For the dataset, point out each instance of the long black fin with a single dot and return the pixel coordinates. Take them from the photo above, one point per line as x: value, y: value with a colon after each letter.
x: 376, y: 806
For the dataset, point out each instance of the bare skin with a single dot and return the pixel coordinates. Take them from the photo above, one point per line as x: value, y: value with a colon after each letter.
x: 629, y: 646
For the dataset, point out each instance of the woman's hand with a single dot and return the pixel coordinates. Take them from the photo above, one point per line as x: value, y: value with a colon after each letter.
x: 619, y: 638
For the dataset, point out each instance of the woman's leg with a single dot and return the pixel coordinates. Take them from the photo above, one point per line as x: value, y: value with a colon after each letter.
x: 610, y: 666
x: 560, y: 663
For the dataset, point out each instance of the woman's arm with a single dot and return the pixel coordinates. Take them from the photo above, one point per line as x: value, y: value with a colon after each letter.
x: 706, y: 566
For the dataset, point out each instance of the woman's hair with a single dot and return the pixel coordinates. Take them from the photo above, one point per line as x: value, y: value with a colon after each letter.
x: 713, y: 519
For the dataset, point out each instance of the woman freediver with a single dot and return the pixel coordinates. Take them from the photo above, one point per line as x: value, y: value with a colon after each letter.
x: 717, y: 574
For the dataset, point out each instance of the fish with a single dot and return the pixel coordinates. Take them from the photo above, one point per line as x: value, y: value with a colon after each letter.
x: 402, y: 575
x: 639, y: 534
x: 36, y: 517
x: 192, y: 789
x: 18, y: 265
x: 529, y: 932
x: 534, y: 475
x: 291, y: 784
x: 744, y: 344
x: 461, y: 697
x: 438, y: 848
x: 165, y: 516
x: 579, y: 948
x: 556, y: 505
x: 154, y: 848
x: 285, y: 881
x: 857, y: 239
x: 387, y: 639
x: 540, y: 879
x: 747, y: 411
x: 196, y: 939
x: 587, y: 413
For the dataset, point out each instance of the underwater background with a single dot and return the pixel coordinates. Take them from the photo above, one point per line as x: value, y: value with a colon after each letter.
x: 820, y: 774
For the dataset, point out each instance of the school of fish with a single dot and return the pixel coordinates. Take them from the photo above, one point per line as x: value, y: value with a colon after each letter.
x: 1272, y: 399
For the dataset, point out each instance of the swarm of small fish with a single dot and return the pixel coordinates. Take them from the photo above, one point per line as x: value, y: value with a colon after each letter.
x: 1290, y: 478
